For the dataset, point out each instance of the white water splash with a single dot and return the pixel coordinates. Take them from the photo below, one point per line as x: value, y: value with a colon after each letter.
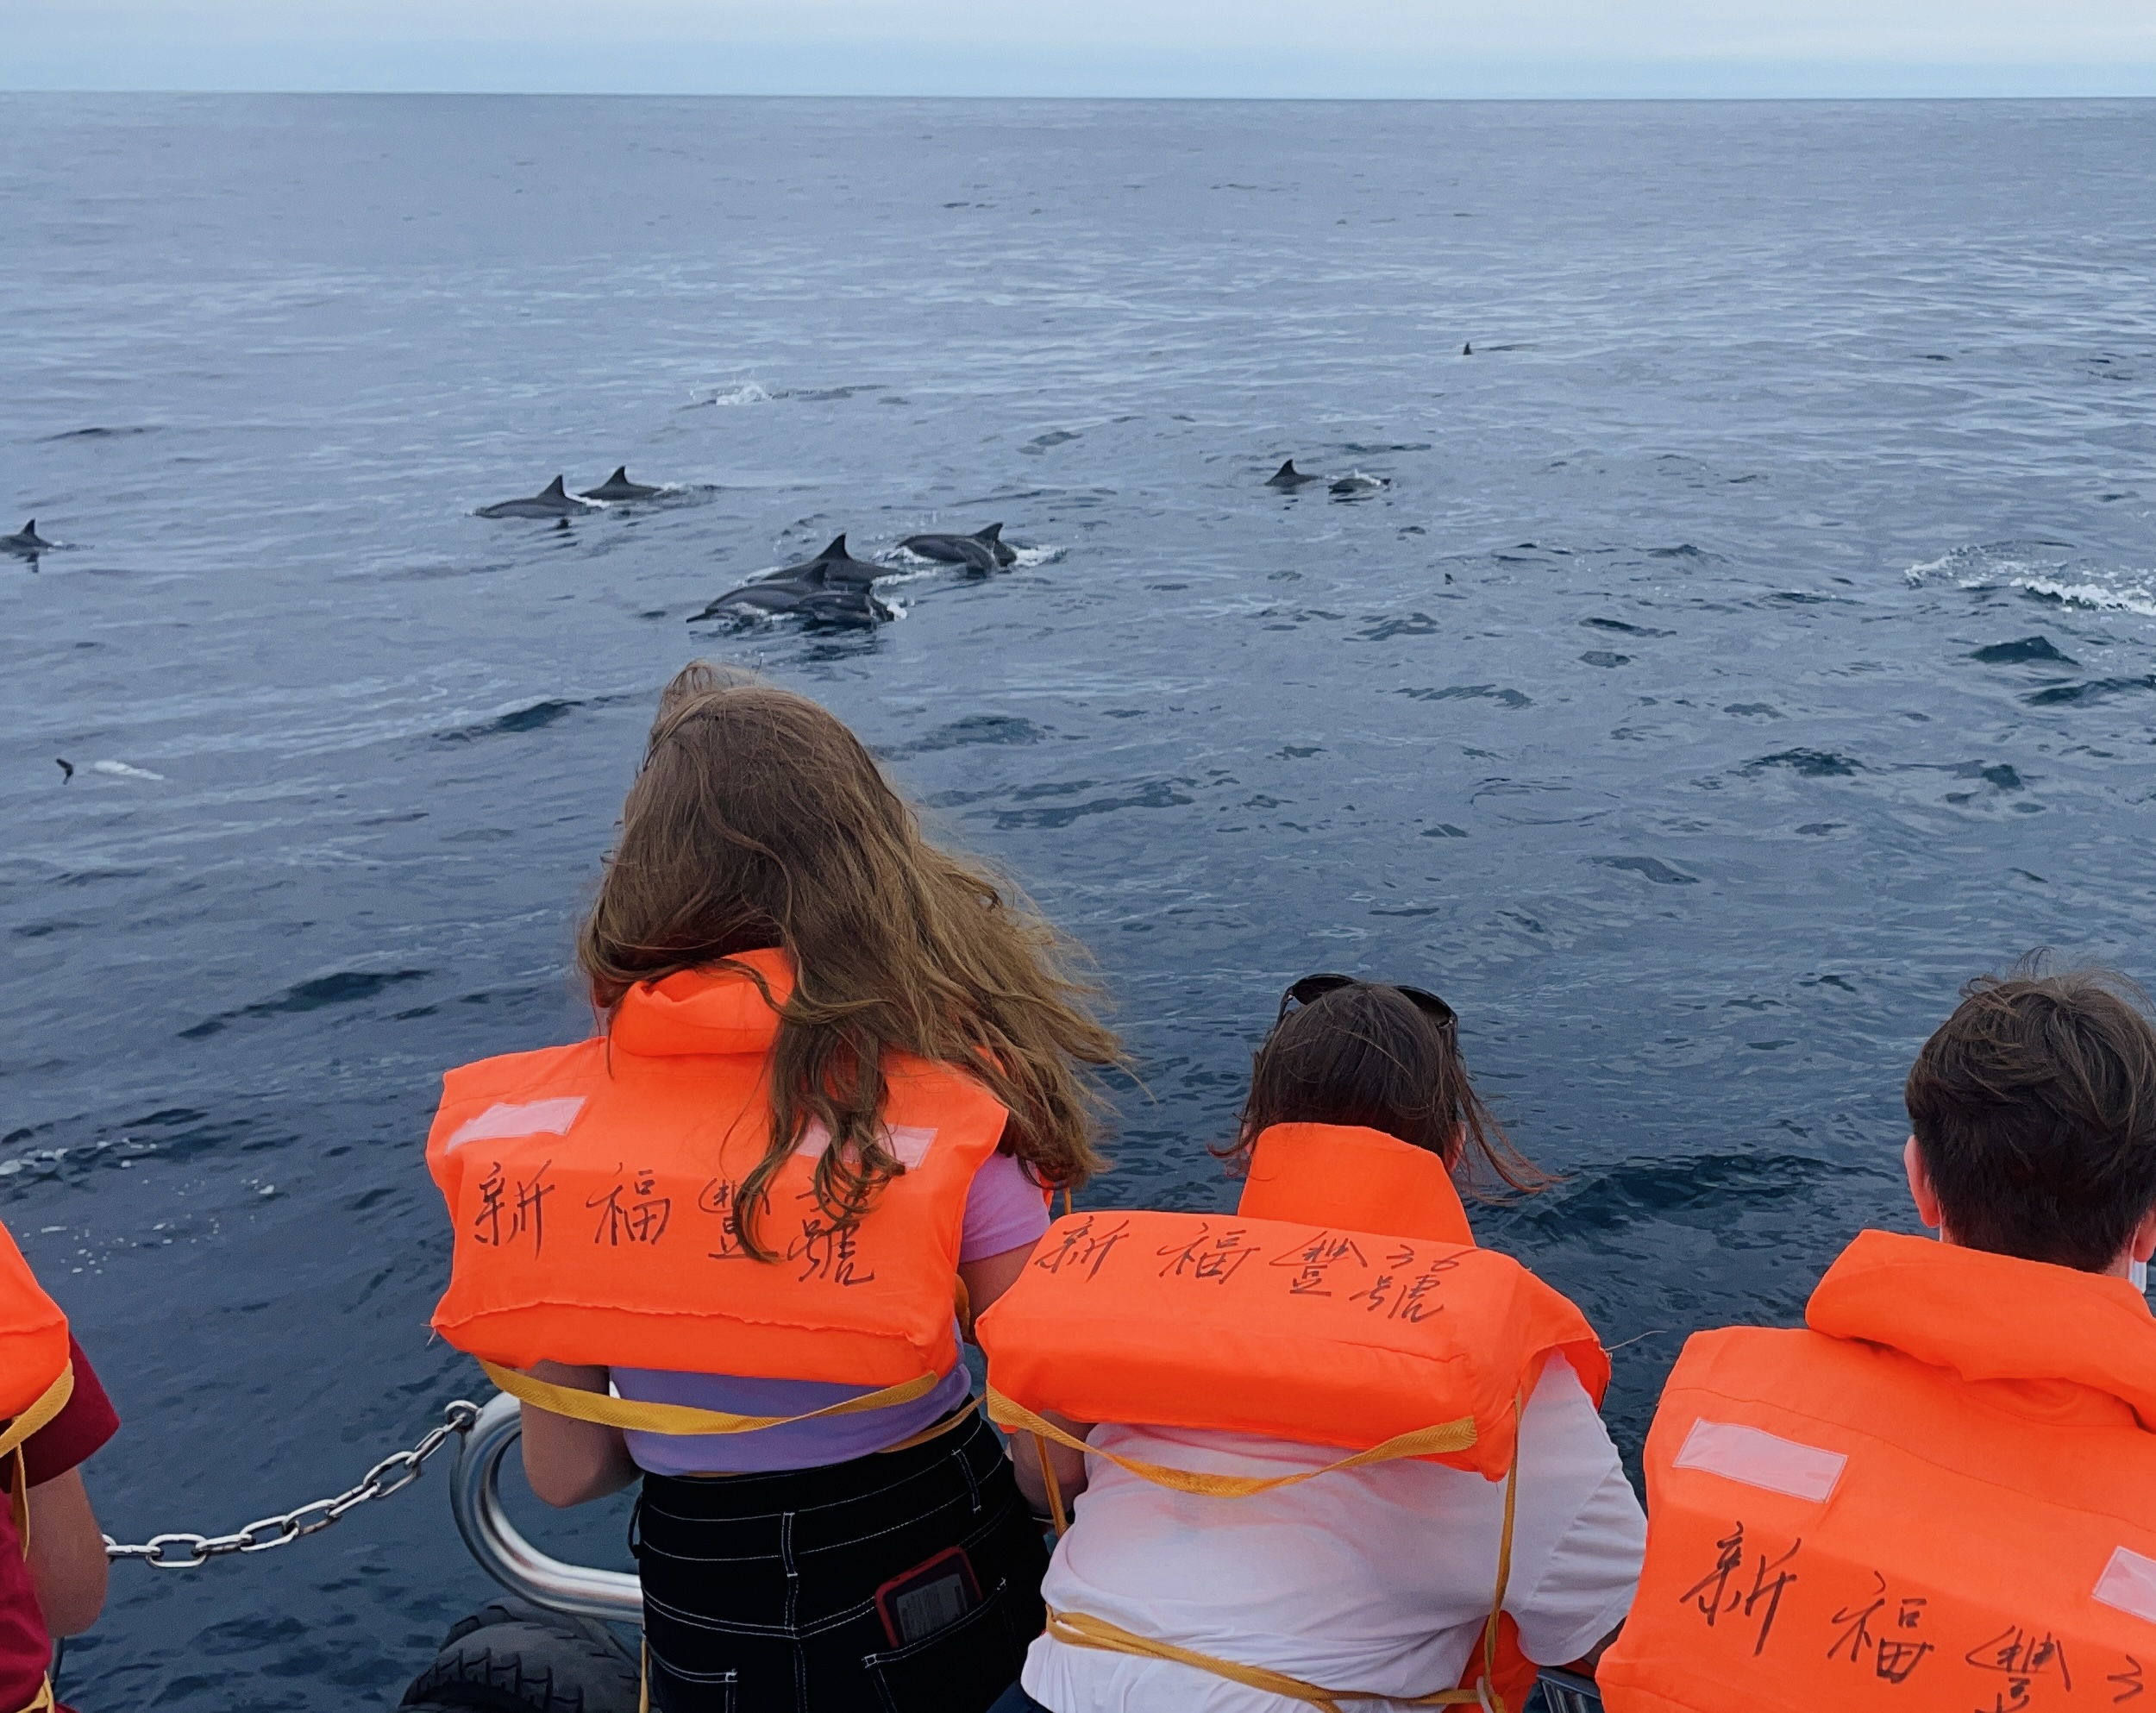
x: 121, y: 770
x: 740, y: 392
x: 2135, y: 593
x: 2041, y: 569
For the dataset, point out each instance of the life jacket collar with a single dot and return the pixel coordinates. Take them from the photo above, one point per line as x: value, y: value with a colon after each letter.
x: 1353, y: 1175
x: 1988, y: 1317
x: 715, y: 1010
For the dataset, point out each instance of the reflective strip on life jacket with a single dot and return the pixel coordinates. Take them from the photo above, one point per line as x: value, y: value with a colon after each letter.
x: 594, y: 1196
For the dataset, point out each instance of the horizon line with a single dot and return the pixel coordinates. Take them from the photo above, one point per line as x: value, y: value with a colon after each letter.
x: 1501, y: 98
x: 920, y: 69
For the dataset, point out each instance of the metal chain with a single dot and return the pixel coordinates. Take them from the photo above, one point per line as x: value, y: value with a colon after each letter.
x: 392, y: 1475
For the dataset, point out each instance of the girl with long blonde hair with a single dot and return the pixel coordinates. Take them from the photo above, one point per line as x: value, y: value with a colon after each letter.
x: 839, y: 1064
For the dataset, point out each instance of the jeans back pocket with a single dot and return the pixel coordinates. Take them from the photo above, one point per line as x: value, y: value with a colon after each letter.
x: 961, y: 1668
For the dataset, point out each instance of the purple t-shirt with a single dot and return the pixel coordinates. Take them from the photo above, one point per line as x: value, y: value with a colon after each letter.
x: 1005, y: 1210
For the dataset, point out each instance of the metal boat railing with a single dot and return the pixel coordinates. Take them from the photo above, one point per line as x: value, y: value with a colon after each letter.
x: 1563, y: 1692
x: 475, y: 1500
x: 504, y: 1552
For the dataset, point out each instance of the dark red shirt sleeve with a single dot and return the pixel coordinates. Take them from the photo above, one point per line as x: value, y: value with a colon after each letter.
x: 84, y: 1423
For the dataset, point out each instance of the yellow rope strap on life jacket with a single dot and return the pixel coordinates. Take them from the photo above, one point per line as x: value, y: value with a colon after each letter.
x: 681, y: 1418
x: 936, y: 1430
x: 1443, y: 1436
x: 16, y: 1434
x: 1078, y: 1630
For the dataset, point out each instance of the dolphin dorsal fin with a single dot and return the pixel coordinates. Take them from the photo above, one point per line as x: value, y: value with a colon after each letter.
x: 993, y: 533
x: 31, y: 528
x: 621, y: 475
x: 553, y: 490
x: 836, y: 549
x: 1287, y: 469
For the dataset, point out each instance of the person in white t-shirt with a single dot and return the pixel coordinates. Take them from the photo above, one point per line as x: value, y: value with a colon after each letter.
x: 1378, y: 1577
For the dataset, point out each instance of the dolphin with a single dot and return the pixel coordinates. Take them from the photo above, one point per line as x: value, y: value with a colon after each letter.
x: 26, y: 540
x: 830, y: 590
x: 836, y: 566
x: 842, y: 610
x: 1288, y: 478
x: 549, y: 502
x: 767, y: 597
x: 1467, y: 349
x: 1355, y: 485
x: 618, y: 486
x: 983, y: 550
x: 838, y: 606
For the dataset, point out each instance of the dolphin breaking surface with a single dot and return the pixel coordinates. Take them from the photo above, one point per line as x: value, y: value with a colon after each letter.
x: 618, y: 487
x: 831, y: 591
x: 549, y: 502
x: 983, y: 550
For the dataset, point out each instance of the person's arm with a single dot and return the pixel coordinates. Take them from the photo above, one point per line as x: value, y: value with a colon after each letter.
x: 67, y: 1549
x: 1581, y: 1535
x: 68, y: 1554
x: 985, y: 1280
x: 1069, y: 1465
x: 1585, y: 1666
x: 569, y: 1462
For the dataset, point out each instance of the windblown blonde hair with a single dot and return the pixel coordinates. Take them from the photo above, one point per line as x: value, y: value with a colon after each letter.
x: 759, y: 820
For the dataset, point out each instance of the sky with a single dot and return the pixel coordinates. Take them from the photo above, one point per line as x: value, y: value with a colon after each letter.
x: 1328, y: 48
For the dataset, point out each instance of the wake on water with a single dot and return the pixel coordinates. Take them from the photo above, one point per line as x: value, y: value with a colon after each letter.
x: 2040, y: 568
x: 736, y: 392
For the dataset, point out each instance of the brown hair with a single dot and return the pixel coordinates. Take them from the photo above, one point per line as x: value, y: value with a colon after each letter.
x: 2034, y: 1110
x: 758, y: 821
x: 1366, y: 1054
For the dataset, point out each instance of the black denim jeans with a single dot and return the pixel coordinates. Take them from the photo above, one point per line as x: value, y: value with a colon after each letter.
x: 760, y: 1590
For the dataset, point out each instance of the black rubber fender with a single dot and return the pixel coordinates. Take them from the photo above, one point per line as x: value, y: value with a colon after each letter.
x: 527, y: 1667
x: 509, y: 1608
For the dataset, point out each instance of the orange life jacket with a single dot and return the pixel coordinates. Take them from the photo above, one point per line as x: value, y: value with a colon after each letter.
x: 1352, y: 1175
x: 1941, y: 1497
x: 37, y: 1377
x: 34, y: 1348
x: 1348, y: 1333
x: 592, y: 1189
x: 1352, y: 1327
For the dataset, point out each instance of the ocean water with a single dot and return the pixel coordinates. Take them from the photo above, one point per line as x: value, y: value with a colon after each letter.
x: 1674, y: 711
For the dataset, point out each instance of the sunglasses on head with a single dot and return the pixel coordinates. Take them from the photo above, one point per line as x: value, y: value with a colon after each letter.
x: 1313, y: 988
